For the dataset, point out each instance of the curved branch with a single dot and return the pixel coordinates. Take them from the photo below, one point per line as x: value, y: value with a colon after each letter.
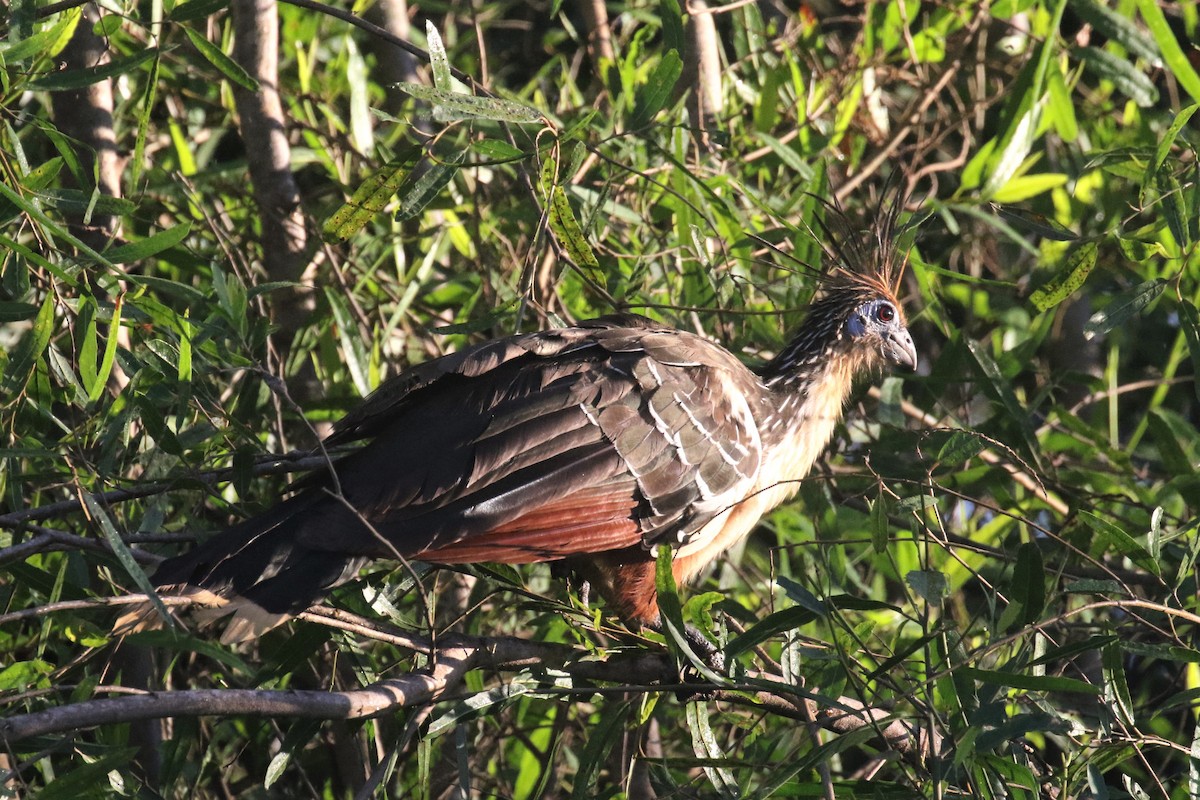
x: 452, y: 658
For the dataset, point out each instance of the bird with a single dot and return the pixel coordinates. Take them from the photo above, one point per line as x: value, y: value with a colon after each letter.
x: 592, y: 445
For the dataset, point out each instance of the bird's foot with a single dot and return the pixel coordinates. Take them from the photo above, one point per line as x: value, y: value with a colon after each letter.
x: 712, y: 655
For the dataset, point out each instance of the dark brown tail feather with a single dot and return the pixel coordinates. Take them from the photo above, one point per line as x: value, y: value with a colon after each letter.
x: 256, y: 570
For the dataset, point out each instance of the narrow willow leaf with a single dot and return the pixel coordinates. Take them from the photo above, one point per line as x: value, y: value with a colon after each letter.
x: 1060, y: 105
x: 961, y: 447
x: 1017, y: 146
x: 801, y: 596
x: 353, y: 350
x: 775, y: 623
x: 1174, y: 57
x: 370, y: 198
x: 1171, y: 200
x: 1000, y: 388
x: 1023, y: 187
x: 709, y: 750
x: 276, y: 768
x: 1126, y: 305
x: 879, y: 523
x: 653, y: 96
x: 1116, y: 687
x: 1119, y: 27
x: 224, y: 64
x: 416, y: 195
x: 21, y: 362
x: 1168, y: 140
x: 465, y: 106
x: 570, y: 234
x: 1036, y: 223
x: 1127, y: 78
x: 88, y: 347
x: 80, y: 78
x: 48, y: 42
x: 150, y: 246
x: 185, y: 350
x: 1028, y: 584
x: 671, y: 15
x: 1176, y: 438
x: 1191, y: 331
x: 439, y: 64
x: 1033, y: 683
x: 674, y: 629
x: 121, y: 550
x: 194, y: 10
x: 1069, y: 278
x: 1113, y: 538
x: 497, y: 151
x: 12, y: 311
x: 600, y: 742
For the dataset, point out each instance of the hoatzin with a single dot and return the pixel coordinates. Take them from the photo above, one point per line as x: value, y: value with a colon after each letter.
x: 589, y: 444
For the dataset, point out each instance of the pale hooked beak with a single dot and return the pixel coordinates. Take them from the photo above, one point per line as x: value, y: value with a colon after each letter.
x: 899, y: 349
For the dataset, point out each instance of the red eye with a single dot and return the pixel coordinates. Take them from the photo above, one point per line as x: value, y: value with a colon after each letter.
x: 885, y: 313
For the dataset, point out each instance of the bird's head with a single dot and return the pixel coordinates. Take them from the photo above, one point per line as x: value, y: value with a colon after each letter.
x: 855, y: 323
x: 862, y: 322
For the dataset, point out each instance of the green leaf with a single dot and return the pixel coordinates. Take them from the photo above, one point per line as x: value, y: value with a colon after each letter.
x: 1168, y: 45
x: 44, y: 43
x: 930, y: 585
x: 601, y: 738
x: 1128, y: 79
x: 1171, y: 201
x: 224, y: 64
x: 121, y: 550
x: 671, y: 15
x: 879, y: 523
x: 671, y: 614
x: 416, y: 194
x: 150, y: 246
x: 22, y: 675
x: 497, y: 151
x: 1023, y: 187
x: 1168, y: 141
x: 1036, y: 223
x: 1027, y: 592
x: 80, y: 78
x: 32, y: 346
x: 353, y: 350
x: 1116, y: 687
x: 452, y: 105
x: 961, y: 447
x: 1119, y: 27
x: 1033, y: 683
x: 1110, y: 537
x: 775, y: 623
x: 1068, y: 279
x: 1125, y: 306
x: 11, y: 311
x: 1190, y: 321
x: 35, y: 181
x: 371, y: 197
x: 653, y: 96
x: 1173, y: 434
x: 570, y: 234
x: 438, y: 62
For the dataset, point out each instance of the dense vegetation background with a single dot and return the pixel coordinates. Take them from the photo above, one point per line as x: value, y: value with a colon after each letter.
x: 989, y: 589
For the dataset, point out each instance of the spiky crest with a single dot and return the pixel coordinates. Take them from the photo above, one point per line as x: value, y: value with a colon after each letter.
x: 859, y: 265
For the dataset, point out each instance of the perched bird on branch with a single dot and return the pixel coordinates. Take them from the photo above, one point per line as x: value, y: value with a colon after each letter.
x: 589, y: 445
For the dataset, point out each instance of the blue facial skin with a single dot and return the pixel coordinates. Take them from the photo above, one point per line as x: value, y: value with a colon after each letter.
x: 874, y: 314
